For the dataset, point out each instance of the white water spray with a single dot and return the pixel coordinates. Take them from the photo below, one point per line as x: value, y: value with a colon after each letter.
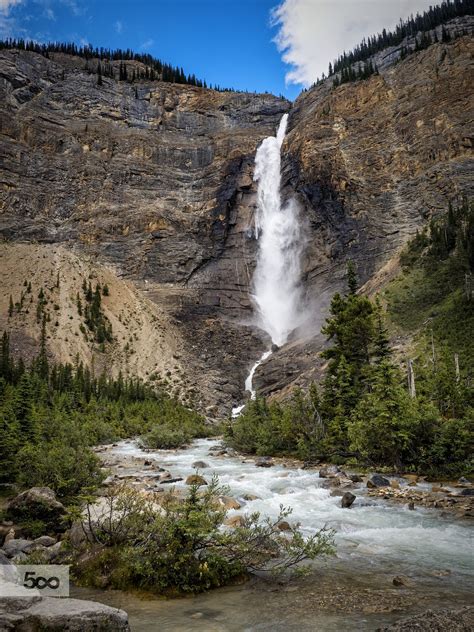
x: 277, y: 291
x: 276, y: 283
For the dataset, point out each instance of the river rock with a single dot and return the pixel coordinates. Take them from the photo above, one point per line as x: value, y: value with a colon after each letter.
x: 284, y: 525
x: 329, y: 471
x: 174, y: 479
x: 377, y: 480
x: 200, y: 465
x: 469, y: 491
x: 347, y: 500
x: 436, y: 621
x: 250, y: 497
x: 234, y: 521
x: 264, y: 461
x: 31, y: 614
x: 196, y: 479
x: 229, y: 503
x: 38, y: 503
x: 355, y: 478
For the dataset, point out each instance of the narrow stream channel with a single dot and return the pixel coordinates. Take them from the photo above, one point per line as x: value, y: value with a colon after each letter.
x: 354, y: 591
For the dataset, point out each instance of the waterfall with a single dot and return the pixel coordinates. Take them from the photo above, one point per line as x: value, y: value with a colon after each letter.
x: 277, y: 292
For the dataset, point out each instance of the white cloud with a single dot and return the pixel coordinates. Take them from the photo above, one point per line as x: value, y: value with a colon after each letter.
x: 6, y: 5
x: 118, y: 27
x: 147, y: 44
x: 312, y: 33
x: 49, y: 13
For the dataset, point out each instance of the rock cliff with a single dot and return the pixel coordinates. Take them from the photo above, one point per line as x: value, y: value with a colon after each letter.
x: 149, y: 189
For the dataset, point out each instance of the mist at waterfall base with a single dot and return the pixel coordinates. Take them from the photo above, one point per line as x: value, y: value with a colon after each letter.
x: 277, y: 290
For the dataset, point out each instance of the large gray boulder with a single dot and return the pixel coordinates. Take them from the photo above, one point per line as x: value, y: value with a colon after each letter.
x: 377, y: 480
x: 37, y: 503
x: 50, y: 614
x: 15, y: 546
x: 436, y: 621
x: 329, y: 471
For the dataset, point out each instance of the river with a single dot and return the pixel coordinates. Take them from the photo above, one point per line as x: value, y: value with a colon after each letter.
x: 353, y: 591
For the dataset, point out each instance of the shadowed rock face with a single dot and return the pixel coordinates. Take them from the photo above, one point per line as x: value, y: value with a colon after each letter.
x: 156, y: 185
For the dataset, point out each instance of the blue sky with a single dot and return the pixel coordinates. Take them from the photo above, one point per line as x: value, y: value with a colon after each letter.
x: 233, y: 43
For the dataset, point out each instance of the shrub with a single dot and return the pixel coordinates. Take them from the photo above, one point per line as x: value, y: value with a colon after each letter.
x: 165, y: 438
x: 183, y: 548
x: 68, y: 470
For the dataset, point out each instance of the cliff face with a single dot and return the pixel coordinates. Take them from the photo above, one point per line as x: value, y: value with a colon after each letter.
x: 150, y: 189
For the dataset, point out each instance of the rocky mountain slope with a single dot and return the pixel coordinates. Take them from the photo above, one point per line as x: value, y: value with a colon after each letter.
x: 148, y: 188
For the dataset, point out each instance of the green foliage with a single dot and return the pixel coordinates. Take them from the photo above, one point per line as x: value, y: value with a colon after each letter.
x: 357, y: 64
x: 272, y: 428
x: 183, y: 548
x: 51, y: 415
x: 387, y: 426
x: 154, y: 69
x: 94, y: 317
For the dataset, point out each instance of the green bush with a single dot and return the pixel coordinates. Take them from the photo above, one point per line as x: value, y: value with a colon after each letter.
x: 183, y: 548
x: 68, y: 470
x: 165, y: 438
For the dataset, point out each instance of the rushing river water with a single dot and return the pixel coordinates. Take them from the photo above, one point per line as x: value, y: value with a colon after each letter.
x: 375, y: 542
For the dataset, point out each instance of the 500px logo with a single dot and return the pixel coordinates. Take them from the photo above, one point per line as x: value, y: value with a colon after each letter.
x: 50, y: 580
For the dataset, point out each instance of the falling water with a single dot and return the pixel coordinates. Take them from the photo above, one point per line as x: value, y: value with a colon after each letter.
x: 277, y: 292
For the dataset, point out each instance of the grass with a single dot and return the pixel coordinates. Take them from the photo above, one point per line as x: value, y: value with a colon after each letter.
x: 428, y: 299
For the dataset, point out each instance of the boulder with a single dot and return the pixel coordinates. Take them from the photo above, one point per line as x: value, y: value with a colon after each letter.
x: 264, y: 461
x: 51, y: 614
x: 229, y: 503
x: 347, y: 500
x: 355, y: 478
x: 234, y: 521
x: 377, y: 480
x: 329, y: 471
x: 16, y: 546
x: 196, y: 479
x: 38, y: 503
x: 394, y: 484
x: 200, y: 465
x: 453, y: 620
x: 469, y: 491
x: 53, y: 553
x: 283, y: 525
x: 45, y: 540
x: 250, y: 497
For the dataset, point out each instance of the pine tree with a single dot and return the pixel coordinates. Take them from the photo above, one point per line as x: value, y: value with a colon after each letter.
x: 6, y: 363
x: 352, y: 282
x: 382, y: 350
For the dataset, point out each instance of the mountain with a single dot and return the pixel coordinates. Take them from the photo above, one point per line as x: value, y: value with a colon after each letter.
x: 147, y: 188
